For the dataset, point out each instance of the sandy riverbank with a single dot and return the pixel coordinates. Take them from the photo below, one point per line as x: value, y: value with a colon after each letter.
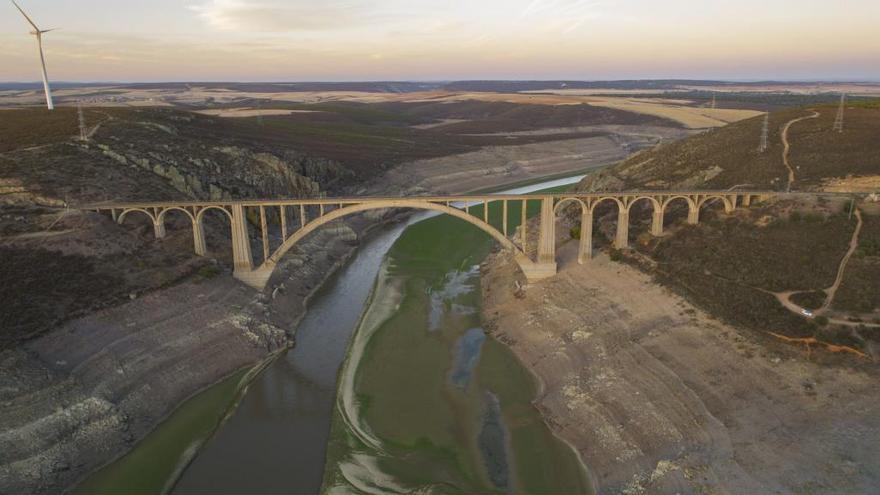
x: 658, y: 397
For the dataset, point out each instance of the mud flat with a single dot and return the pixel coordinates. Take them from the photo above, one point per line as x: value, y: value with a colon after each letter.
x: 658, y: 397
x: 501, y: 165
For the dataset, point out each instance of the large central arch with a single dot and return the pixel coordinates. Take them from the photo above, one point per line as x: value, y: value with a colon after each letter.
x: 261, y: 274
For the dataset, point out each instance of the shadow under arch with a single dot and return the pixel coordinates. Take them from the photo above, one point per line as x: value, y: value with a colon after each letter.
x: 121, y: 217
x: 656, y: 212
x: 199, y: 238
x: 621, y: 238
x: 708, y: 199
x: 692, y: 214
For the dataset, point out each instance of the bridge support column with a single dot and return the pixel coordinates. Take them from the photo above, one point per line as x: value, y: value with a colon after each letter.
x: 199, y: 238
x: 241, y: 244
x: 159, y: 229
x: 657, y: 223
x: 729, y: 209
x: 622, y: 239
x: 585, y: 249
x: 693, y: 214
x: 545, y: 266
x: 747, y: 200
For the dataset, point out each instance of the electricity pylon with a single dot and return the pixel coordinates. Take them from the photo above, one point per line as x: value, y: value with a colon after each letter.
x: 83, y: 135
x: 764, y: 131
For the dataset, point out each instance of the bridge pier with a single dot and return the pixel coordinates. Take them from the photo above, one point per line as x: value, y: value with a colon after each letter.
x: 199, y: 238
x: 728, y: 208
x: 657, y: 222
x: 241, y: 244
x: 621, y: 241
x: 545, y: 266
x: 159, y: 228
x: 747, y: 200
x: 693, y: 214
x: 585, y: 249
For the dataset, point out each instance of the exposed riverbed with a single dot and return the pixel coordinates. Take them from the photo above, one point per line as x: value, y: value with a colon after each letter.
x: 463, y: 419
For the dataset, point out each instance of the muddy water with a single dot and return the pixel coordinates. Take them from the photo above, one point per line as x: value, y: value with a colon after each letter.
x: 276, y: 439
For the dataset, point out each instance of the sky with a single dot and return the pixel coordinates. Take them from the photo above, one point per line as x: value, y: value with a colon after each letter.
x: 360, y: 40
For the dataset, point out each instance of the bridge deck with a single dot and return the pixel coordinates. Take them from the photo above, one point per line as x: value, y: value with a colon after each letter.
x: 436, y: 199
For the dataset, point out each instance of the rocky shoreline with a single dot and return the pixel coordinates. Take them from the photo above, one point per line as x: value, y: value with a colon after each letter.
x: 659, y: 397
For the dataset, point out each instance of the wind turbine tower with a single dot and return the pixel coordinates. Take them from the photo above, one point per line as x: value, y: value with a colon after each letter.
x: 39, y: 34
x: 838, y: 122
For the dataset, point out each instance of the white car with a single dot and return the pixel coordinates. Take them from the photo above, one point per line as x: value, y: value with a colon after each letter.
x: 807, y: 313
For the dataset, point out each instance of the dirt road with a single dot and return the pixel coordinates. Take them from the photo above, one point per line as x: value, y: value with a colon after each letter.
x: 787, y: 147
x: 659, y: 397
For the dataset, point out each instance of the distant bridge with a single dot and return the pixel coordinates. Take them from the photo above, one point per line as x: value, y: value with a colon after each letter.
x: 294, y: 219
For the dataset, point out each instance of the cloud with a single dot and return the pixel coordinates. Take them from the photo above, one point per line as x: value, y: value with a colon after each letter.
x: 566, y: 15
x: 275, y: 16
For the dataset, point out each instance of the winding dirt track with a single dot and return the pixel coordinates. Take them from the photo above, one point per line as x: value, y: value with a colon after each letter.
x: 784, y: 298
x: 853, y: 245
x: 787, y: 147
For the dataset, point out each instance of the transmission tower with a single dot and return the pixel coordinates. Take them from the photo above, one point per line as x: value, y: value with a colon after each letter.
x: 83, y: 135
x: 764, y: 131
x: 838, y: 122
x: 713, y: 100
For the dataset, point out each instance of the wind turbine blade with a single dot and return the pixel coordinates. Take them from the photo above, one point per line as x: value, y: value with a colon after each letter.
x: 25, y: 15
x: 47, y: 30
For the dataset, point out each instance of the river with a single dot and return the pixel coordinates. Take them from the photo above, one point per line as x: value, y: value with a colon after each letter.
x: 426, y: 402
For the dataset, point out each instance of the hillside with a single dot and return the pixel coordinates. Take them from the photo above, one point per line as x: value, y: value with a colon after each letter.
x: 729, y: 156
x: 740, y: 266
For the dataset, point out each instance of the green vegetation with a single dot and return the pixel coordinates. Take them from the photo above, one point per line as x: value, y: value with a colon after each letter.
x: 722, y: 266
x: 729, y: 156
x: 209, y: 271
x: 810, y: 299
x: 860, y: 290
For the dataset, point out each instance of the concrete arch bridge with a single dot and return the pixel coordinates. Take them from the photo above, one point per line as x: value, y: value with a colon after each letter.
x: 281, y: 224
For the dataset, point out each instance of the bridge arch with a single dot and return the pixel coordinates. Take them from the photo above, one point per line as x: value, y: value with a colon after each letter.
x: 381, y: 205
x: 728, y: 205
x: 161, y: 217
x: 598, y: 201
x: 693, y: 210
x: 654, y: 203
x: 563, y: 201
x: 121, y: 217
x: 201, y: 213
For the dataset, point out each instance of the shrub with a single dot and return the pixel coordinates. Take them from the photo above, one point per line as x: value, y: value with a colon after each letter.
x: 616, y: 255
x: 575, y: 232
x: 794, y: 216
x: 209, y: 271
x: 813, y: 218
x: 821, y: 320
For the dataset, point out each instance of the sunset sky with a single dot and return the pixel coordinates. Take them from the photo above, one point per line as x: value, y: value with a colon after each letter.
x: 297, y: 40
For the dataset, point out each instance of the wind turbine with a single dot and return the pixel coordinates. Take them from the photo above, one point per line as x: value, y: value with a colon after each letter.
x: 39, y: 34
